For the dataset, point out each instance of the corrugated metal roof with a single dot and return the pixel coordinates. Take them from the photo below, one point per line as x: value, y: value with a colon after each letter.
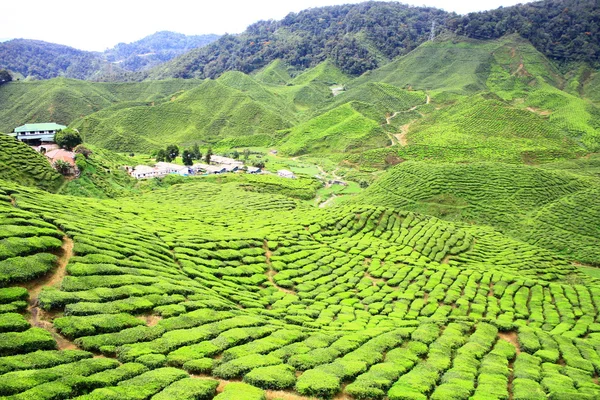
x: 46, y: 126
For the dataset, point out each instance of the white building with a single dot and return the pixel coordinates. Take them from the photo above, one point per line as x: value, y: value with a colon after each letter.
x: 143, y: 171
x: 225, y: 161
x: 159, y: 170
x: 284, y: 173
x: 253, y: 170
x: 36, y: 134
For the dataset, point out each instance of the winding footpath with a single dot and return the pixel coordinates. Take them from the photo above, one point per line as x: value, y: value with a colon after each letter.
x: 40, y: 318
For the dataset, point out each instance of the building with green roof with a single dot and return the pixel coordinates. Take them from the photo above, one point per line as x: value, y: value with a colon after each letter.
x: 36, y: 134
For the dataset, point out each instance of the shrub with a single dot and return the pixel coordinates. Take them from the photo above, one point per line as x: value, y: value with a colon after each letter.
x: 41, y: 359
x: 240, y: 366
x: 199, y: 366
x: 21, y: 269
x: 73, y: 327
x: 152, y: 361
x: 241, y: 391
x: 24, y: 342
x: 8, y: 295
x: 13, y: 322
x: 316, y: 383
x: 272, y: 377
x: 189, y: 389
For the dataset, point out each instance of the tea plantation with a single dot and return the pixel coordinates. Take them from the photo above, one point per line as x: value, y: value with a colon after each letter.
x: 213, y: 289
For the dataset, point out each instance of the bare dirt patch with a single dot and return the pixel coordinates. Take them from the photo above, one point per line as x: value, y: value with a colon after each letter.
x: 38, y: 317
x: 270, y: 273
x: 537, y: 111
x: 512, y: 338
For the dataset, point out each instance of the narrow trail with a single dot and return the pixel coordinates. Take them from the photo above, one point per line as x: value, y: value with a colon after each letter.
x: 400, y: 138
x: 328, y: 201
x: 270, y: 273
x: 38, y: 317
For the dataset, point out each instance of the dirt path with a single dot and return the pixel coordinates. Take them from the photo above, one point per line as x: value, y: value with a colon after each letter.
x: 270, y: 273
x: 55, y: 276
x: 512, y: 338
x: 39, y: 317
x: 328, y: 201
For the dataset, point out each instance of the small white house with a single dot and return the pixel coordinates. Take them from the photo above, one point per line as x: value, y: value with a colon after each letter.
x: 284, y: 173
x: 35, y: 134
x: 225, y: 161
x: 143, y: 171
x: 253, y: 170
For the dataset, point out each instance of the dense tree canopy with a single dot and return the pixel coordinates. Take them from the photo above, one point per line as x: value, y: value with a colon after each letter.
x: 67, y: 138
x: 360, y: 37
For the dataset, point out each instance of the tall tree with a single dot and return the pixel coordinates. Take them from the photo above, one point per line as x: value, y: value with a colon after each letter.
x: 5, y: 76
x: 208, y: 155
x: 172, y: 152
x: 187, y: 157
x: 196, y: 153
x: 67, y: 138
x: 161, y: 155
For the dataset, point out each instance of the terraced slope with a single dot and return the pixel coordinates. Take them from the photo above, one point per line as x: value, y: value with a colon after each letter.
x: 188, y: 289
x: 208, y: 113
x: 19, y: 163
x: 546, y: 207
x: 64, y: 100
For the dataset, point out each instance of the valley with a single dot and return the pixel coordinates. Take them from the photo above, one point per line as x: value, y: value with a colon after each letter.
x: 427, y: 228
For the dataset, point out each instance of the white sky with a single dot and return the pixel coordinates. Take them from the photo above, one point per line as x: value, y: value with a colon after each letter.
x: 100, y: 25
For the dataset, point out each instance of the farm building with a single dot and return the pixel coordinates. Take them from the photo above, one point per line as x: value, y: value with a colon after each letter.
x: 159, y: 170
x: 284, y: 173
x: 209, y: 169
x: 218, y: 160
x: 143, y: 171
x: 253, y: 170
x: 36, y: 134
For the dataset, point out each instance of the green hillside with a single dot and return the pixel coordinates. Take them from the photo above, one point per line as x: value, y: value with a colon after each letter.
x: 19, y: 163
x: 217, y: 279
x: 206, y: 114
x: 275, y: 73
x: 101, y: 175
x: 546, y: 207
x: 64, y: 100
x: 343, y: 129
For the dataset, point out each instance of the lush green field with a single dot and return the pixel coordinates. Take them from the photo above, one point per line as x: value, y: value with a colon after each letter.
x: 19, y: 163
x: 193, y: 286
x: 547, y: 207
x: 64, y: 100
x: 459, y: 263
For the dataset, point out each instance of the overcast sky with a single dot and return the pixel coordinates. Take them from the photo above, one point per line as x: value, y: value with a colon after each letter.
x: 100, y: 25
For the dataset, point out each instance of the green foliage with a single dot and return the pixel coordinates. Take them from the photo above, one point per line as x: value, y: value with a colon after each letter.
x: 240, y: 391
x: 542, y: 200
x: 277, y: 377
x: 39, y: 173
x: 67, y: 138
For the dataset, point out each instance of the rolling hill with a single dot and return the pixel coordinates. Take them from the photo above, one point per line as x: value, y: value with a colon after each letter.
x: 441, y: 240
x: 64, y: 100
x: 35, y: 59
x: 361, y: 37
x: 19, y: 163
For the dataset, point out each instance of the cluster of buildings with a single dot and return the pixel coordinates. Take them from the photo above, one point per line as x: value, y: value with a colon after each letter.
x: 218, y: 165
x: 41, y: 137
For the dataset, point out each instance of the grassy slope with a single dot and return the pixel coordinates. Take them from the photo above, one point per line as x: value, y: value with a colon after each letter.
x: 549, y: 207
x: 20, y: 164
x: 256, y: 279
x: 64, y: 100
x: 207, y: 113
x: 101, y: 176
